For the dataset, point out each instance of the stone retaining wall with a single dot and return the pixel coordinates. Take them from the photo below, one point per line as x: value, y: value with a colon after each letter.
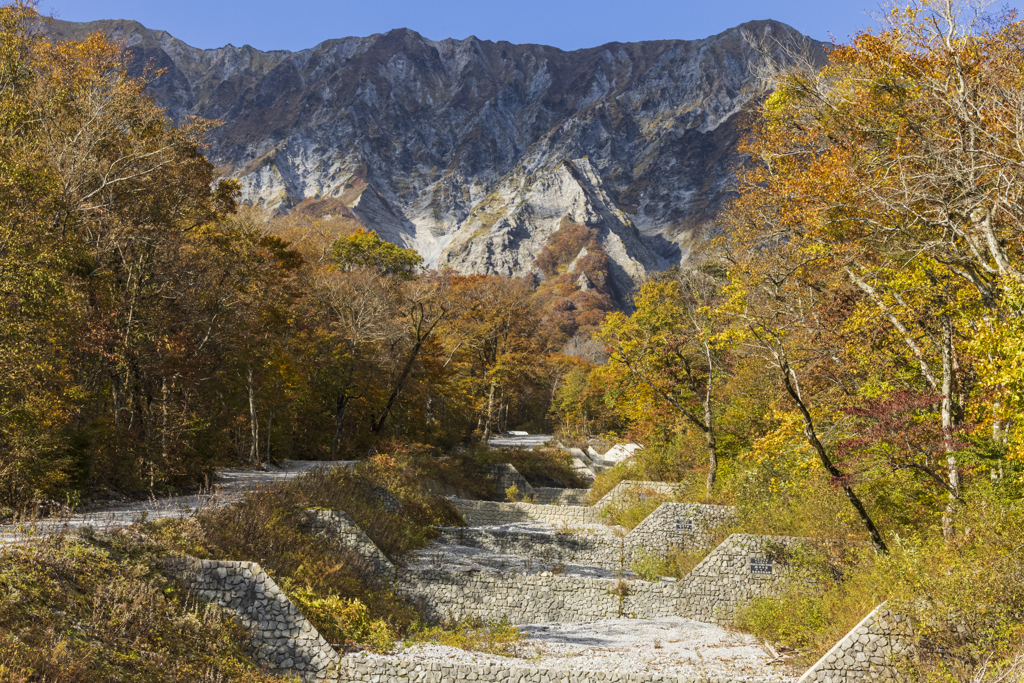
x: 374, y: 670
x: 506, y: 475
x: 447, y: 595
x: 627, y: 492
x: 490, y: 513
x: 680, y: 526
x: 583, y: 464
x: 867, y: 652
x: 283, y: 640
x: 673, y: 526
x: 493, y: 513
x: 741, y: 568
x: 340, y: 528
x: 604, y: 550
x: 553, y: 496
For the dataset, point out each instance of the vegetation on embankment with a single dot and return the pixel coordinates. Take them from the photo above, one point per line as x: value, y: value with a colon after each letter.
x: 345, y: 598
x: 967, y: 597
x: 966, y: 604
x: 99, y: 609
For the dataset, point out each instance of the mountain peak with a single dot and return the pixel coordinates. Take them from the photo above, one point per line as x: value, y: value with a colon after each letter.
x: 475, y: 152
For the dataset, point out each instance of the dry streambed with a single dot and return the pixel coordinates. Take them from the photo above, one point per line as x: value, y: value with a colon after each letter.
x: 454, y: 557
x: 671, y: 646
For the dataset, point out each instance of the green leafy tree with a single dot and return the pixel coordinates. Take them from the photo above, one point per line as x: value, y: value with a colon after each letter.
x: 364, y: 249
x: 675, y: 352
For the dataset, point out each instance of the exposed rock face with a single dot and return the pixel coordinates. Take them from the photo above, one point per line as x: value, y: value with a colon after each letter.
x: 472, y: 151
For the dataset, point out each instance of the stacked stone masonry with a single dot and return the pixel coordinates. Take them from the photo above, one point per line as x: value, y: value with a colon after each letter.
x: 741, y: 568
x: 583, y: 464
x: 446, y: 595
x: 490, y: 513
x: 673, y: 526
x: 627, y: 492
x: 866, y: 653
x: 553, y: 496
x: 282, y: 639
x: 505, y: 476
x: 586, y: 547
x: 564, y: 507
x: 339, y: 527
x: 373, y: 670
x: 680, y: 526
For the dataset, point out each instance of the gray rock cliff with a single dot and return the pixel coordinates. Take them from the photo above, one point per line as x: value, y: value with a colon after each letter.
x: 471, y: 151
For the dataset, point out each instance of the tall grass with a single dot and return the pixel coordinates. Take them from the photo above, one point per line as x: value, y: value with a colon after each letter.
x: 76, y: 610
x: 342, y: 596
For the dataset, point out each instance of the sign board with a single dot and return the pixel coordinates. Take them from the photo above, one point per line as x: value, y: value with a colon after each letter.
x: 760, y: 565
x: 684, y: 524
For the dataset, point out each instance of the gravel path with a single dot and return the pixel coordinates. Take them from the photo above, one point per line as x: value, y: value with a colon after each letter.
x: 229, y: 485
x: 671, y: 645
x: 519, y: 441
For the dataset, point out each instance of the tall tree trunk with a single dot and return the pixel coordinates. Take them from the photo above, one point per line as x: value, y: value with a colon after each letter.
x: 949, y: 410
x: 421, y: 337
x: 114, y: 381
x: 502, y: 407
x: 270, y: 421
x: 165, y: 394
x: 837, y: 475
x: 339, y: 418
x: 254, y: 447
x: 709, y: 437
x: 709, y: 423
x: 490, y: 413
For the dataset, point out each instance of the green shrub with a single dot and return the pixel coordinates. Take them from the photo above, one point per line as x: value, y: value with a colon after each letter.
x: 492, y: 637
x: 342, y: 621
x: 651, y: 566
x: 630, y: 514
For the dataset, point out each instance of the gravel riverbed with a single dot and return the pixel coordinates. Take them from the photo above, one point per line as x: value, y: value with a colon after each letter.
x: 671, y: 645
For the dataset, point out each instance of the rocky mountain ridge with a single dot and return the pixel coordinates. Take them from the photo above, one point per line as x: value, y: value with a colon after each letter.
x: 475, y: 152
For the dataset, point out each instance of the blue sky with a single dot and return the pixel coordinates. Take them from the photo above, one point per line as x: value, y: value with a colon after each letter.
x: 568, y: 24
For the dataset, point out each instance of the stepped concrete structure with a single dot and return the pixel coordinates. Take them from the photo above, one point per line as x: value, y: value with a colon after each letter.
x: 282, y: 638
x: 866, y: 653
x: 537, y: 572
x: 449, y: 586
x: 576, y: 535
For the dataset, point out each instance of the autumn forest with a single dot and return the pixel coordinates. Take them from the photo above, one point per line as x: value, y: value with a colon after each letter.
x: 842, y: 353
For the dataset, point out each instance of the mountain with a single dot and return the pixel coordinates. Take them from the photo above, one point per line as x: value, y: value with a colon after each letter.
x: 475, y: 152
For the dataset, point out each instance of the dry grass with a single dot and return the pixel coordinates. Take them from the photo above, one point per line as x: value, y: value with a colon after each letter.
x: 99, y: 610
x: 493, y: 637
